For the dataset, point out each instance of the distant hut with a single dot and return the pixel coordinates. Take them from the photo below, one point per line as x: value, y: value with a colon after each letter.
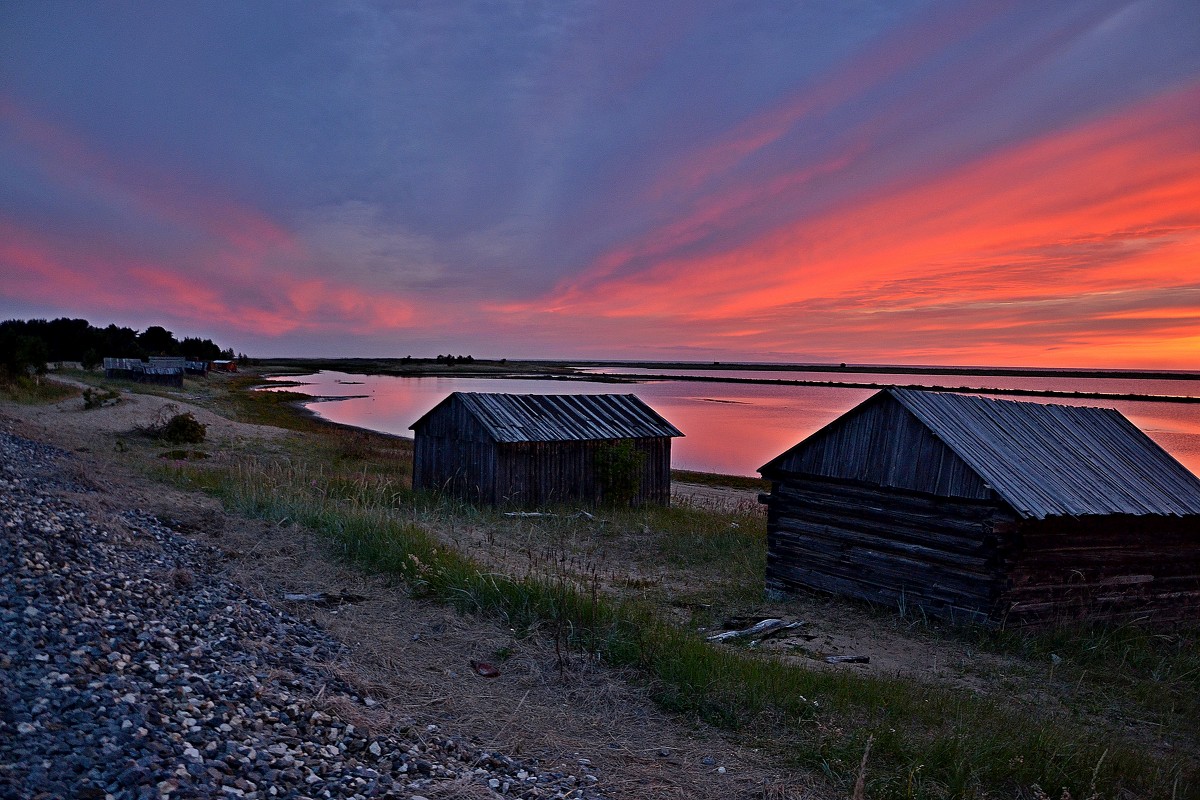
x: 129, y: 369
x: 982, y: 509
x: 223, y: 365
x: 162, y: 370
x: 531, y: 450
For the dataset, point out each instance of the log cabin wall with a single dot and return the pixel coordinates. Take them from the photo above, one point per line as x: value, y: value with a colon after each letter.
x: 1117, y: 567
x: 947, y: 557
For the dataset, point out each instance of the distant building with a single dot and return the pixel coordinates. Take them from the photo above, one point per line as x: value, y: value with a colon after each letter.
x: 161, y: 370
x: 223, y: 365
x: 533, y: 450
x: 970, y: 508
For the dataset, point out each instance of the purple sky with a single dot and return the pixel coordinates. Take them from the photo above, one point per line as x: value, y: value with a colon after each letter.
x: 849, y: 181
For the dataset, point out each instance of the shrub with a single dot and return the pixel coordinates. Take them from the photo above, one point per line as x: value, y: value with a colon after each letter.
x: 619, y: 472
x: 184, y: 429
x: 96, y: 398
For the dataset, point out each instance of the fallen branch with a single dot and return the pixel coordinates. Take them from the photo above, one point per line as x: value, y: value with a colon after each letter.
x: 324, y: 599
x: 847, y: 659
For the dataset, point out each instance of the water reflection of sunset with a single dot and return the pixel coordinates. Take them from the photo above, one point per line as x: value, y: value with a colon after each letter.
x: 729, y: 428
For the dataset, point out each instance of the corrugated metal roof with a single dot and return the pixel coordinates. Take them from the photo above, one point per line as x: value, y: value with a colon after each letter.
x: 124, y: 363
x: 563, y: 417
x: 1053, y: 460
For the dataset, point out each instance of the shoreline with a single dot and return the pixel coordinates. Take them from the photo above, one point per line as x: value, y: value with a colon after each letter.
x: 417, y: 367
x: 630, y: 378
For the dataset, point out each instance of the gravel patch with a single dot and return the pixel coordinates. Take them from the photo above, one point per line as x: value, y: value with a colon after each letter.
x: 130, y: 669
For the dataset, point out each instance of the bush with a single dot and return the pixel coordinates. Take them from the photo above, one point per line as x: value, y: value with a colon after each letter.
x: 96, y: 398
x: 619, y: 472
x: 184, y: 429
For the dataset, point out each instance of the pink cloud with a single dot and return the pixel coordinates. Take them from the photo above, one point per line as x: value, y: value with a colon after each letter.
x: 1079, y: 218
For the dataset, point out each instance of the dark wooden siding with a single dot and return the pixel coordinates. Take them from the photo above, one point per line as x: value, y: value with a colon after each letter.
x: 885, y: 445
x: 460, y: 467
x: 961, y: 559
x: 454, y: 453
x: 1112, y: 567
x: 542, y: 473
x: 949, y: 557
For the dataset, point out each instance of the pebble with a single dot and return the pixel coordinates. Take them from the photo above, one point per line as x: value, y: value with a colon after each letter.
x: 119, y: 680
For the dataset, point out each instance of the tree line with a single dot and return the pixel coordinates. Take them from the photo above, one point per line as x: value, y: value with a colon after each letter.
x: 31, y: 344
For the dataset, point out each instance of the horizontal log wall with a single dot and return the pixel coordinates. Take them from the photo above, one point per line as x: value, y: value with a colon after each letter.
x: 946, y: 557
x: 1115, y: 567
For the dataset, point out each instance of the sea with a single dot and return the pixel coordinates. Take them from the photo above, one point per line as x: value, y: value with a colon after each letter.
x: 734, y: 428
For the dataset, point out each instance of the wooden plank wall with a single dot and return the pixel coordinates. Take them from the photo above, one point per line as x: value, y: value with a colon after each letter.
x: 1116, y: 567
x: 542, y: 473
x: 966, y: 560
x: 884, y: 444
x: 459, y: 467
x: 946, y: 557
x: 453, y: 453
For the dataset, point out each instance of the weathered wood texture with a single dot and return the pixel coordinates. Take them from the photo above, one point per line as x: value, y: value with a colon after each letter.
x: 964, y: 560
x: 1116, y: 567
x: 885, y: 445
x: 457, y: 454
x: 969, y: 508
x: 896, y: 548
x: 541, y: 473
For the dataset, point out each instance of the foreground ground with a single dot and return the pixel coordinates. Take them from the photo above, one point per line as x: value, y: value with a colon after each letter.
x: 554, y: 715
x: 552, y: 705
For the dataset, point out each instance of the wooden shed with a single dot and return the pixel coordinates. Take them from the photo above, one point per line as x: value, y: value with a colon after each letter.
x: 531, y: 450
x: 162, y: 370
x: 971, y: 508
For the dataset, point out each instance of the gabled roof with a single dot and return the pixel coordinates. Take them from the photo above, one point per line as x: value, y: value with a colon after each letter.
x: 1052, y: 460
x: 560, y: 417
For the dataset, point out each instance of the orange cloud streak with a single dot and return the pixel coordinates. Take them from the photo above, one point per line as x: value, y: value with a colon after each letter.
x: 1082, y: 217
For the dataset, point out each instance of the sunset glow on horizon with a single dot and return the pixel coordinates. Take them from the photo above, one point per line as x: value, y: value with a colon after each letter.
x: 927, y: 183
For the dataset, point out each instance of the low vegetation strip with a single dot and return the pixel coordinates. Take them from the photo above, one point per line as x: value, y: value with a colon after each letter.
x: 925, y: 742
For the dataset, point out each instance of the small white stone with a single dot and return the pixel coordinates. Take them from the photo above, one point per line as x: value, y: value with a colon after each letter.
x: 193, y: 754
x: 375, y: 748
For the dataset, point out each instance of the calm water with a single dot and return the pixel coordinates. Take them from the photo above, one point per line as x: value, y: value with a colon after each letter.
x: 736, y: 428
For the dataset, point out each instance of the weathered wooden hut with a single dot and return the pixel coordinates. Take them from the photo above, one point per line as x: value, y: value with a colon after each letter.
x: 162, y: 370
x: 972, y: 508
x: 532, y: 450
x: 129, y: 369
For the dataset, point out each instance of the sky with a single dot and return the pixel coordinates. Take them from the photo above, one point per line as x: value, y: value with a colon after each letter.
x: 901, y: 182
